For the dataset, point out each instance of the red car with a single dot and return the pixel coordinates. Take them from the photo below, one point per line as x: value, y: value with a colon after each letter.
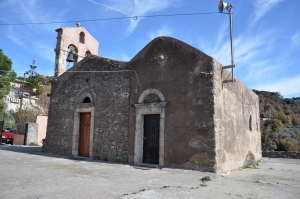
x: 7, y: 136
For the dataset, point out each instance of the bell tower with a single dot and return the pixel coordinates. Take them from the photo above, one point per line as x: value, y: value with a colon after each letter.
x: 74, y: 40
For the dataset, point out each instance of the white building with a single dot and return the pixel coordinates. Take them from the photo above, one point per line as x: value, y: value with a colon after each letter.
x: 13, y: 99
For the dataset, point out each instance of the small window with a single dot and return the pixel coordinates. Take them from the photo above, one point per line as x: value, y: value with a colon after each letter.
x: 86, y: 100
x: 250, y: 123
x: 81, y: 37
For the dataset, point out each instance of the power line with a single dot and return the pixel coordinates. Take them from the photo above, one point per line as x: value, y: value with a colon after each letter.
x: 180, y: 14
x: 108, y: 19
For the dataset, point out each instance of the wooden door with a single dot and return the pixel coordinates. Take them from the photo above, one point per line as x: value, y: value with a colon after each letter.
x: 151, y: 139
x: 84, y: 134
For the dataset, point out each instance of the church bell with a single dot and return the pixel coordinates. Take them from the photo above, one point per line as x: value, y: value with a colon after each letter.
x: 71, y: 56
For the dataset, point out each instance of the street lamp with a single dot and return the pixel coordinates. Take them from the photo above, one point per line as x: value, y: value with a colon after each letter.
x: 222, y: 5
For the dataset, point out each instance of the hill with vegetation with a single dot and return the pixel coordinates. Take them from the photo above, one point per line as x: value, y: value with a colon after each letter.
x: 280, y: 122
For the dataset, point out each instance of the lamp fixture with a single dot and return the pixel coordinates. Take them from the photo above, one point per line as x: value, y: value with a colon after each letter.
x: 210, y: 73
x: 222, y: 5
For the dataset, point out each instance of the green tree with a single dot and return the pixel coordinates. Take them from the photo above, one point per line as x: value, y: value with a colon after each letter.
x: 6, y: 76
x: 34, y: 80
x: 269, y: 134
x: 281, y: 121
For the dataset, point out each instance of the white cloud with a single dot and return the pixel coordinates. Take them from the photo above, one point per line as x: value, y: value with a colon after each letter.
x: 262, y: 7
x: 286, y: 87
x: 164, y: 31
x: 26, y: 10
x: 246, y: 47
x: 12, y: 34
x: 140, y: 8
x: 296, y: 39
x: 261, y: 70
x: 32, y: 11
x: 254, y: 56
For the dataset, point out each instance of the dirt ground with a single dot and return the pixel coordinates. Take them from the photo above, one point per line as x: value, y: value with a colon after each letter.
x: 26, y: 172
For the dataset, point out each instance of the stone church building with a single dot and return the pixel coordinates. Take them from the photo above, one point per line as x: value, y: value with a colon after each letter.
x: 169, y: 106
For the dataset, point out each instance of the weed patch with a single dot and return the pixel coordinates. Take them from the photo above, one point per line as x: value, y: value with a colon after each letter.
x: 257, y: 163
x: 33, y: 144
x: 205, y: 179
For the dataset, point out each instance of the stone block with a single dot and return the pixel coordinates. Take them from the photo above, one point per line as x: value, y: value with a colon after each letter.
x: 217, y: 112
x: 161, y: 143
x: 208, y: 101
x: 206, y: 125
x: 161, y: 162
x: 32, y: 133
x: 219, y: 153
x: 204, y: 162
x: 250, y: 159
x: 203, y: 144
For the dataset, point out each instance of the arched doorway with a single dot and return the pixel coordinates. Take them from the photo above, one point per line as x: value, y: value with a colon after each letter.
x: 150, y: 125
x: 83, y: 132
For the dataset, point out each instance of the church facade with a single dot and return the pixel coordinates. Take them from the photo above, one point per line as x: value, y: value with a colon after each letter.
x: 169, y: 106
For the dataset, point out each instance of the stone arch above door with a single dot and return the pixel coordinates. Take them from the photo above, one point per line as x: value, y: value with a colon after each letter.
x: 150, y: 91
x: 148, y: 109
x: 82, y: 95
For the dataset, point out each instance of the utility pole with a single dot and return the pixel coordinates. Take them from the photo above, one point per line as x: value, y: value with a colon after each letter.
x: 22, y: 93
x: 222, y: 5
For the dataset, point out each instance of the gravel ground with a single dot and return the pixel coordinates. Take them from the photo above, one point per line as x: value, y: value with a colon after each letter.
x: 26, y: 172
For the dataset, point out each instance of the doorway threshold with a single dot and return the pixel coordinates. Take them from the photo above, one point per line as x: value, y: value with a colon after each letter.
x: 145, y: 166
x: 152, y: 166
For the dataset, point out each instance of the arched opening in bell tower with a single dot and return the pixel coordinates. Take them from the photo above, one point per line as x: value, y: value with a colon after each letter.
x: 82, y: 37
x: 87, y: 53
x: 72, y: 55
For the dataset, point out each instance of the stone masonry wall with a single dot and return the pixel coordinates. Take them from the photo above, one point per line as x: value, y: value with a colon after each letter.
x: 182, y: 78
x: 32, y: 133
x: 109, y: 93
x: 237, y: 136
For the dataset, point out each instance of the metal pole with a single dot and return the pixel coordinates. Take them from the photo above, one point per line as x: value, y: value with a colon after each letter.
x: 22, y: 93
x: 231, y: 43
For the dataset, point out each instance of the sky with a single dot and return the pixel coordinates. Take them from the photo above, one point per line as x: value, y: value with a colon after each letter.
x: 266, y: 34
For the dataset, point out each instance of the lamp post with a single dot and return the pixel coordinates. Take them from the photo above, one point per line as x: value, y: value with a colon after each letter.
x: 222, y: 5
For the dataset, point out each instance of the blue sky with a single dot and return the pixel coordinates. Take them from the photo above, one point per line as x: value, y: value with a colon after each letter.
x: 266, y: 34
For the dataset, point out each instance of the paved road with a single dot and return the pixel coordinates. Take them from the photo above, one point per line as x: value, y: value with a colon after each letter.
x: 26, y: 172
